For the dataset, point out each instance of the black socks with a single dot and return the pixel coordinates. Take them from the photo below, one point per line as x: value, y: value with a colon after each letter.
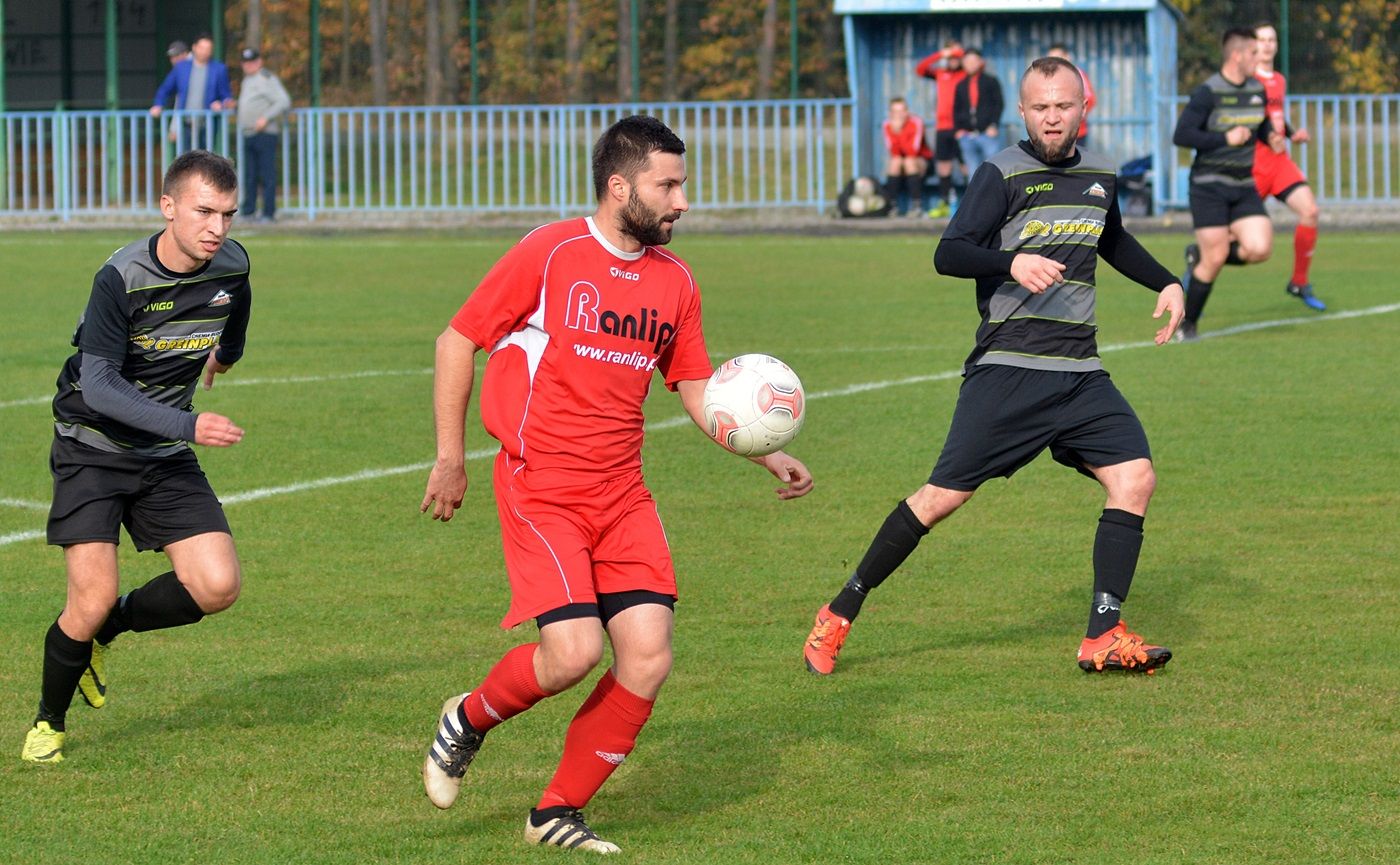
x: 1196, y: 296
x: 896, y: 539
x: 1116, y: 548
x: 65, y: 659
x: 164, y: 602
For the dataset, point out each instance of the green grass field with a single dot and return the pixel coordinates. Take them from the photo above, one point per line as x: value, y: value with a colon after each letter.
x: 957, y: 728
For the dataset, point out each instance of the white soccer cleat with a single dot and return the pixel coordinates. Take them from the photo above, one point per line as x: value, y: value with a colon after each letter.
x: 563, y: 826
x: 452, y: 751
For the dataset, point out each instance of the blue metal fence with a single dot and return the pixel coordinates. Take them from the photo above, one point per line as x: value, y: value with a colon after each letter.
x: 520, y: 158
x: 535, y: 159
x: 1351, y: 158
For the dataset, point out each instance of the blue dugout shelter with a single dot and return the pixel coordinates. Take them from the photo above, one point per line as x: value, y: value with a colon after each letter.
x: 1127, y: 48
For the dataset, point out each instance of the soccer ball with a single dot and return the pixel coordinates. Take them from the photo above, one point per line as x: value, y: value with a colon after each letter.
x: 754, y: 405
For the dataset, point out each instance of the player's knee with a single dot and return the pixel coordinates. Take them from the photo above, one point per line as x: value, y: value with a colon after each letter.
x: 566, y: 666
x: 86, y: 611
x: 1255, y: 251
x: 216, y: 589
x: 1308, y: 215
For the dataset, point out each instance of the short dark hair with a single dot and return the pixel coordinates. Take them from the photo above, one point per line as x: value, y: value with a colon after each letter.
x: 627, y: 146
x: 1260, y: 25
x: 974, y: 50
x: 215, y: 169
x: 1235, y: 35
x: 1049, y: 67
x: 1058, y: 46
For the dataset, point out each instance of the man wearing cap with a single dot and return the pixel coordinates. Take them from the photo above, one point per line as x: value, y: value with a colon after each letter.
x: 262, y: 102
x: 177, y: 51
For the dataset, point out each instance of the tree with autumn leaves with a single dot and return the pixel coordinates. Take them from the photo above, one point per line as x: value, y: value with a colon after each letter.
x: 419, y: 52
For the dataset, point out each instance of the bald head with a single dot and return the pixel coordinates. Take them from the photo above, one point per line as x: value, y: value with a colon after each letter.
x: 1049, y: 67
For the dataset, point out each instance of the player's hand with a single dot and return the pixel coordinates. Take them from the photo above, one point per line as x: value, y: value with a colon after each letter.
x: 1301, y: 136
x: 215, y: 431
x: 216, y: 105
x: 447, y: 486
x: 1172, y: 300
x: 156, y: 110
x: 1036, y: 272
x: 213, y: 367
x: 1237, y: 135
x: 790, y: 471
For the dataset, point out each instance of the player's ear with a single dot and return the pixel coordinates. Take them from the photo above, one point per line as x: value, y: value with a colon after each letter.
x: 167, y: 206
x: 619, y: 188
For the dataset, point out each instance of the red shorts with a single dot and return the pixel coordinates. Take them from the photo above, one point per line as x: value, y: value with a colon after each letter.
x: 1275, y: 174
x: 567, y: 543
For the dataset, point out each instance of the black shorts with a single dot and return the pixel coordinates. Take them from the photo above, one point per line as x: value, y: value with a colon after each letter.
x: 1219, y: 204
x: 945, y: 146
x: 1007, y: 415
x: 160, y: 500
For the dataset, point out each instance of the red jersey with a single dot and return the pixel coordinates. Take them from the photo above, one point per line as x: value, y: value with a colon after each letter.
x: 908, y: 140
x: 947, y: 80
x: 575, y: 327
x: 1275, y: 92
x: 1088, y: 103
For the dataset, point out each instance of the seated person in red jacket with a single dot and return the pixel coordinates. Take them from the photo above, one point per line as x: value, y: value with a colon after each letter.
x: 908, y: 157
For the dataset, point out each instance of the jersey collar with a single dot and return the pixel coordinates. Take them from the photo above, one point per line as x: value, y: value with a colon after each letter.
x: 607, y: 244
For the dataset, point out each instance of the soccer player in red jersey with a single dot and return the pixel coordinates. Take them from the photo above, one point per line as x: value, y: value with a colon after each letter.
x: 1060, y: 50
x: 946, y: 69
x: 576, y: 318
x: 909, y: 155
x: 1276, y: 174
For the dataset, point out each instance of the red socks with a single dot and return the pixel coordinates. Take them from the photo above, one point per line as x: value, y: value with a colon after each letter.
x: 509, y: 689
x: 600, y: 737
x: 1304, y: 242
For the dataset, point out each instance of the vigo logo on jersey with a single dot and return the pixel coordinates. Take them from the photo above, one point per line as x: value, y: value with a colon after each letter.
x: 583, y: 313
x: 619, y: 273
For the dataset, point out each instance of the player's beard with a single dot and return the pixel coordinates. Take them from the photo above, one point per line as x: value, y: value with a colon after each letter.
x: 644, y: 225
x: 1060, y: 152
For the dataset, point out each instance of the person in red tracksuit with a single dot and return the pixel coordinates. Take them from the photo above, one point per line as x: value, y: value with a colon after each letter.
x: 945, y: 68
x: 908, y: 156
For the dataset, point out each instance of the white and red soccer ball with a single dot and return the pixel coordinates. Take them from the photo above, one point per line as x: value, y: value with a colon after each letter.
x: 754, y: 405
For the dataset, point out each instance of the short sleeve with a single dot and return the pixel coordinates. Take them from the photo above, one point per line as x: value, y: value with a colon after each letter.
x: 105, y: 328
x: 686, y: 358
x: 504, y: 299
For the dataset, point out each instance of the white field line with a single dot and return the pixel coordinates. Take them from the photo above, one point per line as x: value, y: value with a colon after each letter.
x: 682, y: 420
x: 23, y: 504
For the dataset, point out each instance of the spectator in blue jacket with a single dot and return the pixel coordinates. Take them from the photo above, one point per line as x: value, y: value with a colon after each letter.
x: 198, y: 84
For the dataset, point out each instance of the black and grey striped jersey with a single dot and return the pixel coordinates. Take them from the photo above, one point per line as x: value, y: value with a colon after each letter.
x: 159, y: 327
x: 1068, y: 212
x: 1216, y: 107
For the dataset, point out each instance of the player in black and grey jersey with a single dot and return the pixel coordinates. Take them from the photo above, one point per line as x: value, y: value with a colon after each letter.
x: 1035, y: 221
x: 1223, y: 119
x: 164, y: 312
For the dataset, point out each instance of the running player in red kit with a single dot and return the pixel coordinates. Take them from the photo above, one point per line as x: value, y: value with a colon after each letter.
x: 1276, y: 174
x: 576, y: 317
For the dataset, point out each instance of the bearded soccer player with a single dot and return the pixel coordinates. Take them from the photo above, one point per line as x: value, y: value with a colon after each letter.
x: 1276, y: 174
x: 576, y: 318
x: 164, y: 312
x: 1036, y: 219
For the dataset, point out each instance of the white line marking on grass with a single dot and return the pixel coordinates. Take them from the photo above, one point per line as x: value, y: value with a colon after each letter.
x: 16, y: 537
x: 24, y: 504
x: 682, y: 420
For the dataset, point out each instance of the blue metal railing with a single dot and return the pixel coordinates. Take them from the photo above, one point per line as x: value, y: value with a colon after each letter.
x: 1350, y: 159
x: 517, y: 158
x: 535, y: 158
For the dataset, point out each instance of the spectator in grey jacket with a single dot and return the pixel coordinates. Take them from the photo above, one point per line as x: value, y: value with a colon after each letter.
x: 262, y: 104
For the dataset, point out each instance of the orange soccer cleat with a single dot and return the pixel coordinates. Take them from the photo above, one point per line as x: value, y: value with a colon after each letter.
x: 1121, y: 649
x: 824, y: 643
